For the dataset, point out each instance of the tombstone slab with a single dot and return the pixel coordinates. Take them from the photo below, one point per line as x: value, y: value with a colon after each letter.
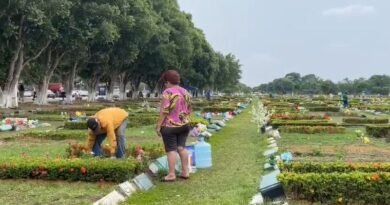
x: 270, y: 187
x: 126, y: 188
x: 112, y: 198
x: 269, y: 152
x: 257, y: 199
x: 143, y: 182
x: 273, y: 145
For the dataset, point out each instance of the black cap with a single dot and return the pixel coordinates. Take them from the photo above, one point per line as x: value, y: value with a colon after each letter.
x: 92, y: 123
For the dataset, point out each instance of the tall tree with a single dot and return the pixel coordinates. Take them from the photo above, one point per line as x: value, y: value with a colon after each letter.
x: 26, y: 33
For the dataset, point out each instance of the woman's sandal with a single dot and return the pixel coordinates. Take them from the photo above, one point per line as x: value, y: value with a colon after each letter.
x: 184, y: 177
x: 168, y: 180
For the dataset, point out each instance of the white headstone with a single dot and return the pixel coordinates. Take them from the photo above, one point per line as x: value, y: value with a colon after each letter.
x: 272, y: 145
x: 143, y: 182
x: 257, y: 199
x: 112, y: 198
x: 127, y: 188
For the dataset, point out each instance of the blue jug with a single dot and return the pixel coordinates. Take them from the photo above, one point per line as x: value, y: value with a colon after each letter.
x: 202, y: 152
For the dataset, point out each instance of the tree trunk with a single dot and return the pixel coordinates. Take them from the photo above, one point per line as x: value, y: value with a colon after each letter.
x: 42, y: 92
x: 18, y: 62
x: 123, y: 81
x: 1, y: 96
x: 92, y: 87
x: 69, y: 83
x: 110, y: 89
x: 48, y: 73
x: 135, y: 83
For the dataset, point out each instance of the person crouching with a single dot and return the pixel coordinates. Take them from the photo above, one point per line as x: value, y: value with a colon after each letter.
x: 111, y: 123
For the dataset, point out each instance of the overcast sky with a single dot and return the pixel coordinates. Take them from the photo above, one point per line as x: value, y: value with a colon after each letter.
x: 333, y: 39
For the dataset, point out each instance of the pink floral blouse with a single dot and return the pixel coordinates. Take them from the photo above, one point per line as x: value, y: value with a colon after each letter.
x: 176, y: 105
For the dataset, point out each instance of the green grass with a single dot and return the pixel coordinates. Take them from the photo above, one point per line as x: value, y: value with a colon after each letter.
x: 233, y: 179
x: 15, y: 192
x: 15, y: 146
x: 319, y: 139
x: 48, y: 192
x: 328, y: 139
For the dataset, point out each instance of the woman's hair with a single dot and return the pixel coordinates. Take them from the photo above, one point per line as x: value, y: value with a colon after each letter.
x: 171, y: 76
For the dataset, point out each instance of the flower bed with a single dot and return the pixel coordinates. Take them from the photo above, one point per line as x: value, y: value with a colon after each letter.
x: 302, y: 123
x: 56, y: 134
x: 76, y: 125
x: 355, y: 120
x: 323, y: 109
x: 329, y: 167
x: 378, y: 130
x: 196, y: 120
x: 68, y: 169
x: 295, y: 116
x: 134, y: 121
x: 381, y: 108
x: 312, y: 129
x: 342, y: 188
x: 142, y: 120
x: 219, y: 109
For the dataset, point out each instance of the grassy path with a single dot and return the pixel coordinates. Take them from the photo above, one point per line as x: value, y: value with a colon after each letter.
x: 233, y: 179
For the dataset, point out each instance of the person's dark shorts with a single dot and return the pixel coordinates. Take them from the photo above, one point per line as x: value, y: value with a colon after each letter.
x: 174, y: 137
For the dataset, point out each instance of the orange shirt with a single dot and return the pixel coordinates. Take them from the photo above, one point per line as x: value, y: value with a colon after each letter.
x: 110, y: 119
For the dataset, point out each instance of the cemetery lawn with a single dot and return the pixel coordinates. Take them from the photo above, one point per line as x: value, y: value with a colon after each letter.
x: 330, y: 147
x: 56, y: 192
x: 15, y: 192
x: 233, y: 179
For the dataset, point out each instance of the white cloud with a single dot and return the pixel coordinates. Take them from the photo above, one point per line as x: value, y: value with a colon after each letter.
x: 351, y: 10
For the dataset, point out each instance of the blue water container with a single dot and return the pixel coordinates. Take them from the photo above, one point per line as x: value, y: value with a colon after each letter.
x: 191, y: 150
x: 202, y: 152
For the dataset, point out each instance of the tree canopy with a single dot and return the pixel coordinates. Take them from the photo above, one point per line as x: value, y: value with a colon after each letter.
x: 312, y: 84
x: 123, y: 42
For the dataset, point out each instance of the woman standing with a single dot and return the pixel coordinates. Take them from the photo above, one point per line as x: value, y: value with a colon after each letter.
x: 173, y: 124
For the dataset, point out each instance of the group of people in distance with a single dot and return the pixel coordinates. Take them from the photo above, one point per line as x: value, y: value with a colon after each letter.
x: 172, y: 125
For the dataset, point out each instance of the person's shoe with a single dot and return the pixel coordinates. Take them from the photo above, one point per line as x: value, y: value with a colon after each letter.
x: 166, y: 179
x: 184, y: 177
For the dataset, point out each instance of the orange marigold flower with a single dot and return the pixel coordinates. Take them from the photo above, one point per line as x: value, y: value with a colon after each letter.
x: 375, y: 177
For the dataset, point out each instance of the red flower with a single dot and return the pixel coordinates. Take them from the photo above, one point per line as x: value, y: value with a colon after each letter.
x: 44, y: 173
x: 83, y: 170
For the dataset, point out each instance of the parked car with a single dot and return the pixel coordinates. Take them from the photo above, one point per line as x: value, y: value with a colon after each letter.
x: 50, y: 94
x: 56, y: 88
x: 82, y: 93
x: 28, y: 93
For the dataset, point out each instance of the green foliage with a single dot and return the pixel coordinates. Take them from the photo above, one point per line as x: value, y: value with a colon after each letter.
x: 380, y: 108
x: 142, y: 120
x: 302, y: 123
x: 68, y: 169
x: 219, y: 109
x: 378, y: 130
x: 195, y: 120
x: 355, y: 120
x: 333, y: 188
x: 134, y: 121
x: 329, y: 167
x: 102, y: 41
x: 76, y: 125
x: 312, y: 129
x: 48, y: 117
x: 152, y: 150
x: 56, y: 134
x: 295, y: 116
x: 324, y: 109
x: 311, y: 84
